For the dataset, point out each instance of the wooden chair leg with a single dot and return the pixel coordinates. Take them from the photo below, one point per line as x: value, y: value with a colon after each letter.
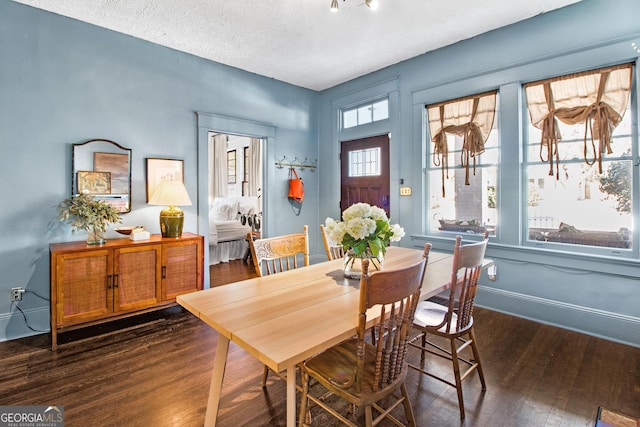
x: 408, y: 410
x: 476, y: 357
x: 303, y: 399
x: 456, y: 373
x: 368, y: 416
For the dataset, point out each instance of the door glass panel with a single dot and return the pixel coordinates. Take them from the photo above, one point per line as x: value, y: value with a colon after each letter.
x: 364, y: 162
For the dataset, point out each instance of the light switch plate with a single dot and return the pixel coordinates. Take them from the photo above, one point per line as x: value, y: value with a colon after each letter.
x: 405, y: 191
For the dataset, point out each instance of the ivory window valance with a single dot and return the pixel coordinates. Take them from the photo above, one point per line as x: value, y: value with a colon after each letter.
x: 597, y: 98
x: 471, y: 118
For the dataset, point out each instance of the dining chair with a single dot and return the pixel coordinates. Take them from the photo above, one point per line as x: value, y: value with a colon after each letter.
x: 363, y: 373
x: 453, y: 321
x: 333, y: 249
x: 273, y: 255
x: 280, y: 253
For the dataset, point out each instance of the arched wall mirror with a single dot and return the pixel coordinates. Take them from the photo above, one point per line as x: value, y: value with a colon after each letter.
x: 103, y: 168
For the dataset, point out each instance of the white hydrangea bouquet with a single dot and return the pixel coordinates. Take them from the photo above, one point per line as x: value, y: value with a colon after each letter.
x: 364, y: 232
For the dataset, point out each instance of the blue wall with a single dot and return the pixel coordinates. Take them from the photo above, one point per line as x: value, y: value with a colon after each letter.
x: 599, y: 295
x: 65, y: 82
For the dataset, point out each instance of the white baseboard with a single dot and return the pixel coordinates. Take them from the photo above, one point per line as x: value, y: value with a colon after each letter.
x: 599, y: 323
x: 13, y: 325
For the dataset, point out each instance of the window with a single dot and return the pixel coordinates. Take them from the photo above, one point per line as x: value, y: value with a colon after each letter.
x: 364, y: 114
x: 245, y: 180
x: 462, y: 182
x: 246, y: 164
x: 582, y: 193
x: 364, y: 162
x: 231, y: 166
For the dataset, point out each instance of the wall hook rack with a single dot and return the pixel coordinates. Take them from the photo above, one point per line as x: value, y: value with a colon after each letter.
x: 297, y: 163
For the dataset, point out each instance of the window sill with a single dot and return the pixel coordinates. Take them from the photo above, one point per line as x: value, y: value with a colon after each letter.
x: 544, y: 254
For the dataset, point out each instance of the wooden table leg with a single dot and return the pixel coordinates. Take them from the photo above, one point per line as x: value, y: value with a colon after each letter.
x: 215, y: 390
x: 291, y: 396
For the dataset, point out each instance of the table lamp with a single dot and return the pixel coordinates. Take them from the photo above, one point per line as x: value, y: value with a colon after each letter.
x: 172, y: 194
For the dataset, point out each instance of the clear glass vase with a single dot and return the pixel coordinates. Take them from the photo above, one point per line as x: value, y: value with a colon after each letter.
x: 95, y: 236
x: 352, y: 263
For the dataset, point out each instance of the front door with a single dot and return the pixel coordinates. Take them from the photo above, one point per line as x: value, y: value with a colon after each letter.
x: 364, y: 165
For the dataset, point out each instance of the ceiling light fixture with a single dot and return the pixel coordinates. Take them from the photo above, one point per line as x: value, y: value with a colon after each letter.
x: 371, y: 4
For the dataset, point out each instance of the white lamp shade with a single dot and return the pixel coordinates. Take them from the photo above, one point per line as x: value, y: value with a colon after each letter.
x: 170, y: 193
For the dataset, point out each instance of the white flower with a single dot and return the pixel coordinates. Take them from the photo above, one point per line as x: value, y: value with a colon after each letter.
x: 358, y: 210
x: 360, y: 228
x: 378, y: 214
x: 398, y: 233
x: 335, y: 230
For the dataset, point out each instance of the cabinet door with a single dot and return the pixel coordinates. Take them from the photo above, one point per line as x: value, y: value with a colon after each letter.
x: 136, y: 277
x: 181, y: 267
x: 84, y: 284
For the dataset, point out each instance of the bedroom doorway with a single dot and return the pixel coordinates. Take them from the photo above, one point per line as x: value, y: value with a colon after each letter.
x: 234, y: 195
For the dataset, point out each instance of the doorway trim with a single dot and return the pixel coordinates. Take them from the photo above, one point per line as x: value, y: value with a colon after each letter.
x: 208, y: 122
x: 330, y: 172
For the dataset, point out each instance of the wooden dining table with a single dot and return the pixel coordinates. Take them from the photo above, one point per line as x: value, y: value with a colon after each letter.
x: 286, y: 318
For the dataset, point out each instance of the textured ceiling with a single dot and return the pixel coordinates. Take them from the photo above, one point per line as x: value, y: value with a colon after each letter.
x: 300, y: 41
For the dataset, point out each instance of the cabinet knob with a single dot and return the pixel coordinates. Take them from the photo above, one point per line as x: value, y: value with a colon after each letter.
x: 115, y: 280
x: 109, y: 278
x: 164, y: 271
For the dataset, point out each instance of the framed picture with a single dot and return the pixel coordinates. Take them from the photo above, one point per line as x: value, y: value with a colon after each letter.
x: 231, y: 166
x: 118, y: 165
x: 92, y: 182
x: 163, y: 170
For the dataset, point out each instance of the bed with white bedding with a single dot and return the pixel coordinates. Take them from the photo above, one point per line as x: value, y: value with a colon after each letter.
x: 227, y: 235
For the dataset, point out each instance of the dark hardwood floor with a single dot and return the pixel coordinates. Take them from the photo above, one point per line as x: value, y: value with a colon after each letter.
x: 156, y: 372
x: 229, y: 272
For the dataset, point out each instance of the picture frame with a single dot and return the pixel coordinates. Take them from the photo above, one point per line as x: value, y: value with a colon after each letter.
x: 94, y: 182
x: 163, y: 170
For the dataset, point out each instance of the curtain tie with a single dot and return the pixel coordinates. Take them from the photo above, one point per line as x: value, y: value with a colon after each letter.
x: 441, y: 155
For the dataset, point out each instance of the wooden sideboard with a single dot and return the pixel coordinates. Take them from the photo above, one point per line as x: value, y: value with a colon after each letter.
x: 92, y: 284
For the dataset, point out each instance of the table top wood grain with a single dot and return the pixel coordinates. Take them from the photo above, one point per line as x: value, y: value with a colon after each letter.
x: 285, y: 318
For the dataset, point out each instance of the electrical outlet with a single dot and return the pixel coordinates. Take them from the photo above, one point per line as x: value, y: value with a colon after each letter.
x: 16, y: 294
x: 492, y: 272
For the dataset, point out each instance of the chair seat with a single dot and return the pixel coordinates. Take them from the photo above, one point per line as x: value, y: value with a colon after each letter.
x: 337, y: 366
x: 429, y: 313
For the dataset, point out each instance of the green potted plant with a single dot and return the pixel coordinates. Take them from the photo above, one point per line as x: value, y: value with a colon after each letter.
x: 86, y: 212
